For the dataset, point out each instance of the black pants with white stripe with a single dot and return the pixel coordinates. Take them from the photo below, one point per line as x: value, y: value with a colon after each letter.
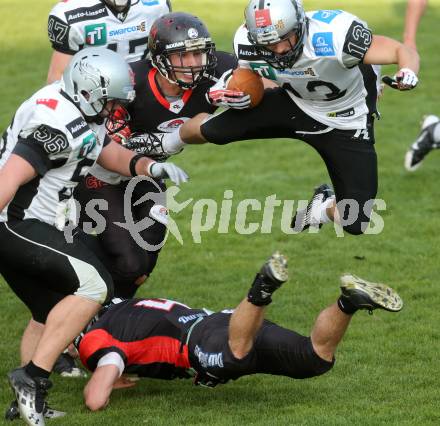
x: 349, y: 155
x: 42, y: 268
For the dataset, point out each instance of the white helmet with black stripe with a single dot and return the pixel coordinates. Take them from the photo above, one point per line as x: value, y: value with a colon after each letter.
x: 271, y: 21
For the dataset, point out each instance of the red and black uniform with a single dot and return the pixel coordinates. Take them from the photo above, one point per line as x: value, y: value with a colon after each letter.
x: 151, y: 112
x: 164, y: 339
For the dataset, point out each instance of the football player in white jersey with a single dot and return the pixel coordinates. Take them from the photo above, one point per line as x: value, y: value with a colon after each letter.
x: 322, y: 62
x: 54, y: 138
x: 119, y: 25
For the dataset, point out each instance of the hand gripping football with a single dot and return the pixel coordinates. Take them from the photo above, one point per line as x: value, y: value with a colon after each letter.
x: 247, y: 81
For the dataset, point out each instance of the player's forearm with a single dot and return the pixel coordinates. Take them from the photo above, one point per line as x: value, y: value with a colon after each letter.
x: 407, y: 57
x: 414, y: 12
x: 117, y: 159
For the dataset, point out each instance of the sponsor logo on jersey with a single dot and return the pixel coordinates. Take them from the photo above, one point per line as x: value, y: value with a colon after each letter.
x: 50, y: 103
x: 96, y: 34
x: 247, y: 52
x: 171, y: 125
x: 187, y: 318
x: 345, y: 113
x: 87, y: 146
x: 77, y: 127
x: 209, y: 359
x: 323, y: 44
x: 132, y: 29
x: 150, y: 2
x: 264, y: 70
x: 326, y: 15
x: 300, y: 73
x: 85, y: 14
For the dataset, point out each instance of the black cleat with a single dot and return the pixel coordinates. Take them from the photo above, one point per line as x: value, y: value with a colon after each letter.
x: 272, y: 275
x: 310, y: 216
x: 65, y: 366
x: 366, y: 295
x: 423, y: 145
x: 30, y: 395
x: 13, y: 413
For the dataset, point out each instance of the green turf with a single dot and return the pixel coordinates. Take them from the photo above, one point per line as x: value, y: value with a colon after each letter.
x: 387, y: 367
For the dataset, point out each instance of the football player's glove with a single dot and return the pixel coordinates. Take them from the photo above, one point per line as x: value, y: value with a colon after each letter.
x: 404, y: 79
x: 122, y: 135
x: 220, y: 96
x: 149, y: 144
x: 168, y: 171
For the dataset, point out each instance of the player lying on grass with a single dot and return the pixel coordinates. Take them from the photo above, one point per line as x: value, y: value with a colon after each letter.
x: 164, y: 339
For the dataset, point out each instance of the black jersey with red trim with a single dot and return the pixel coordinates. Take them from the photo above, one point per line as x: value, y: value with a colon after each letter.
x: 149, y: 335
x: 152, y: 112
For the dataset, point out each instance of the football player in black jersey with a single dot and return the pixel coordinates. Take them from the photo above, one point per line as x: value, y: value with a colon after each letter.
x: 164, y: 339
x: 170, y: 89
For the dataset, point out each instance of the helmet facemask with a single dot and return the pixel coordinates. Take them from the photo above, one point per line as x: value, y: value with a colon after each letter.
x: 282, y: 61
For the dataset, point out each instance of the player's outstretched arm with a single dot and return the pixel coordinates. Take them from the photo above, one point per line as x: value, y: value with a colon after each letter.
x: 118, y: 159
x: 57, y: 65
x: 385, y: 51
x: 99, y: 388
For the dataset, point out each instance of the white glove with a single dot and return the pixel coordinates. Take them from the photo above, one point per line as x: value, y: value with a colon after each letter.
x: 167, y: 171
x: 406, y: 79
x: 219, y: 96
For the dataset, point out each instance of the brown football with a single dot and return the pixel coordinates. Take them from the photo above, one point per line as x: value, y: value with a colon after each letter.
x: 247, y: 81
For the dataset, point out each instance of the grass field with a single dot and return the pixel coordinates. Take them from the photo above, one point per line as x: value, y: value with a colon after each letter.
x: 387, y: 369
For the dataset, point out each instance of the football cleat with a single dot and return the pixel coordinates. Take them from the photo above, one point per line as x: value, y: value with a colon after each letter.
x: 13, y: 413
x: 310, y: 216
x: 65, y: 366
x: 272, y: 275
x: 366, y: 295
x: 149, y: 144
x: 30, y: 395
x: 423, y: 144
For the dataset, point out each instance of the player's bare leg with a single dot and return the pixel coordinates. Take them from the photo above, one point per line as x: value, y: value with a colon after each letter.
x: 332, y: 322
x: 29, y: 341
x: 64, y: 322
x: 248, y: 316
x: 31, y: 383
x: 190, y: 132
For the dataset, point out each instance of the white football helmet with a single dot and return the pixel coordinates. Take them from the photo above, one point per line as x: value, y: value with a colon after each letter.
x: 118, y: 5
x: 272, y: 21
x: 95, y: 76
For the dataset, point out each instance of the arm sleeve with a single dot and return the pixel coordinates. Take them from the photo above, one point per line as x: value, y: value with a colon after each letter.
x: 357, y: 41
x: 112, y: 358
x: 45, y: 148
x: 58, y: 32
x: 33, y: 154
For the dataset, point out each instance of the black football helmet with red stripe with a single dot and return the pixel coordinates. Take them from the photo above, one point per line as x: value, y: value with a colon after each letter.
x: 178, y: 34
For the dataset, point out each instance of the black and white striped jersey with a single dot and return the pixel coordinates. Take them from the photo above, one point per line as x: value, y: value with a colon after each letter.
x: 329, y: 82
x: 75, y: 24
x: 50, y: 133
